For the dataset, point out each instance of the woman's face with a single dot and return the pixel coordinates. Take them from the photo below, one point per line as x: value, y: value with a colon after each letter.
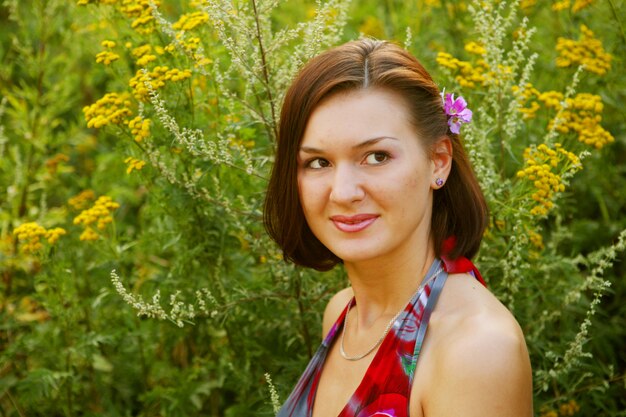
x: 365, y: 180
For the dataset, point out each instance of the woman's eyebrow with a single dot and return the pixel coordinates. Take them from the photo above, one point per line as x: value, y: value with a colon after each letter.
x: 372, y: 141
x: 364, y: 144
x: 308, y: 149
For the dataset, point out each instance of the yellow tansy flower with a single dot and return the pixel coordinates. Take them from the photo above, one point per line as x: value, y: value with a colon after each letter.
x: 580, y: 4
x: 52, y: 164
x: 536, y: 239
x: 527, y: 4
x: 539, y: 165
x: 141, y: 13
x: 139, y: 128
x: 156, y: 79
x: 134, y: 164
x: 561, y: 5
x: 469, y: 75
x: 569, y: 408
x: 111, y: 109
x: 145, y: 60
x: 99, y: 214
x: 106, y: 57
x: 475, y: 48
x: 587, y: 51
x: 581, y: 114
x: 190, y: 21
x: 80, y: 201
x: 89, y: 234
x: 31, y: 233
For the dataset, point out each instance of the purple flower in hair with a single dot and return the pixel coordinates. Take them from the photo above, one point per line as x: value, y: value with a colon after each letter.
x: 457, y: 111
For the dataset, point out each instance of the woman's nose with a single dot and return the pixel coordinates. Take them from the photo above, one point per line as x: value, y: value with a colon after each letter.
x: 347, y: 186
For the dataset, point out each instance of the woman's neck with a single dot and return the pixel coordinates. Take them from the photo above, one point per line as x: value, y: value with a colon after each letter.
x: 382, y: 287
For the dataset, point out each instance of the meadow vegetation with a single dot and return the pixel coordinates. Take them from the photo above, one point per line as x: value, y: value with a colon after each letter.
x: 136, y: 139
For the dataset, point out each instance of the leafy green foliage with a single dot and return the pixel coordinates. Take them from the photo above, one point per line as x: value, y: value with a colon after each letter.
x: 168, y: 299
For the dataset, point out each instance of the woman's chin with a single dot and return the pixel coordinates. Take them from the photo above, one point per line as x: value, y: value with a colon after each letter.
x: 356, y: 254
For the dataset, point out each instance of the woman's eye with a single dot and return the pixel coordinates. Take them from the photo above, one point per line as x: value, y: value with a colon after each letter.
x: 317, y: 163
x: 376, y: 158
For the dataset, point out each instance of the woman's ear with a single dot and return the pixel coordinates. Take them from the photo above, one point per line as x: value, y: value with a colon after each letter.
x: 441, y: 157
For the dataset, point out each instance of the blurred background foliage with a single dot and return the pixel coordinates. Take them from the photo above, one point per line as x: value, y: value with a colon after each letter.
x: 135, y: 142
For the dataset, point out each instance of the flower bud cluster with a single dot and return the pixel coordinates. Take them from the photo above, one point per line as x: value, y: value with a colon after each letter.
x: 157, y: 78
x: 566, y: 4
x: 31, y: 234
x: 142, y: 50
x: 569, y: 408
x: 581, y: 114
x: 587, y: 51
x: 536, y: 239
x: 108, y: 56
x: 580, y: 4
x: 559, y: 5
x: 99, y: 213
x: 144, y: 53
x: 531, y: 96
x: 198, y: 4
x: 528, y: 94
x: 527, y: 4
x: 139, y: 128
x: 134, y: 164
x: 190, y: 21
x: 141, y: 13
x: 52, y: 164
x: 189, y: 44
x: 138, y: 10
x: 475, y: 48
x: 469, y: 75
x: 145, y: 59
x: 80, y: 201
x: 539, y: 165
x: 113, y: 108
x: 86, y: 2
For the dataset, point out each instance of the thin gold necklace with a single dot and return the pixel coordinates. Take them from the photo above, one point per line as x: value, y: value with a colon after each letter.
x: 380, y: 340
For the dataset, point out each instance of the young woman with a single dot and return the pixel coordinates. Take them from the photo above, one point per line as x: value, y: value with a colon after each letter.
x: 370, y: 172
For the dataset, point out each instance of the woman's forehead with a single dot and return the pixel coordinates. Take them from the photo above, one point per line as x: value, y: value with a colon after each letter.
x: 359, y: 115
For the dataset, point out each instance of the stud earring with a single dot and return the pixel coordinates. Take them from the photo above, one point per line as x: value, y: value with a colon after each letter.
x: 439, y: 182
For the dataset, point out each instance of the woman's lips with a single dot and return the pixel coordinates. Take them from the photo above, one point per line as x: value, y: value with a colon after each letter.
x: 355, y: 223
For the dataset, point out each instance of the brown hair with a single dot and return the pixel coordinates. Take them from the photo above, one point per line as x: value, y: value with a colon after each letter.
x: 459, y: 208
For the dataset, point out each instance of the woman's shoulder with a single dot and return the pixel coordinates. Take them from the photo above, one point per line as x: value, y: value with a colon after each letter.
x: 465, y: 301
x: 335, y: 307
x: 469, y: 317
x: 480, y: 353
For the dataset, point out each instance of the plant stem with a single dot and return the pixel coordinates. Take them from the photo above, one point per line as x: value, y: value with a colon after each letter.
x: 68, y: 368
x: 301, y: 309
x: 142, y: 356
x: 15, y: 404
x: 7, y: 275
x: 617, y: 19
x: 265, y: 71
x: 21, y: 210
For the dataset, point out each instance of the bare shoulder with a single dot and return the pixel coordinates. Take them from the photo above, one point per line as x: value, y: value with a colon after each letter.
x: 480, y: 356
x: 334, y: 308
